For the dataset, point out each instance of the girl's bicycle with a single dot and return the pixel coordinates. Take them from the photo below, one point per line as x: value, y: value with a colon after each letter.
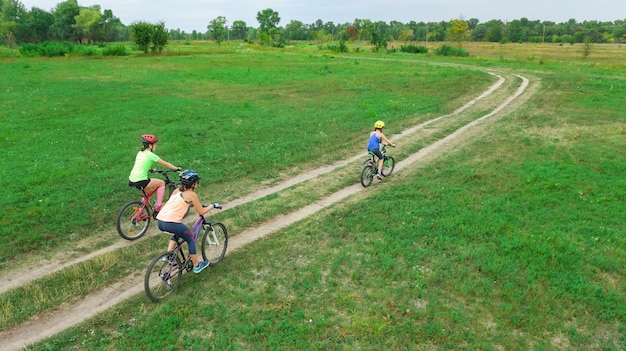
x: 134, y: 218
x: 371, y: 166
x: 166, y: 270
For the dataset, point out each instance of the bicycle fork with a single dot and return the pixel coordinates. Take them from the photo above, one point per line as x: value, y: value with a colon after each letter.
x: 211, y: 237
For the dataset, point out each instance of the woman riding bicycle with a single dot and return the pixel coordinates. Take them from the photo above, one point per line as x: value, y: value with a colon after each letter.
x: 143, y: 162
x: 171, y: 216
x: 373, y: 145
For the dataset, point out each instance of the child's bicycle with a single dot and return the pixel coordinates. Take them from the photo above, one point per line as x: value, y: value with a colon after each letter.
x: 371, y: 166
x: 166, y: 270
x: 134, y: 218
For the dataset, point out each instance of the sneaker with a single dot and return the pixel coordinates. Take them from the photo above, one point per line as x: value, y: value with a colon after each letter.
x: 156, y: 211
x: 379, y: 176
x: 201, y: 265
x: 166, y: 258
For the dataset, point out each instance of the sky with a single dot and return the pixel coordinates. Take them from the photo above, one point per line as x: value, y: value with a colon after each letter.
x: 189, y: 15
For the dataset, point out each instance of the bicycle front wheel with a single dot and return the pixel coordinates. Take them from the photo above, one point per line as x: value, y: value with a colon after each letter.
x: 133, y: 220
x: 389, y: 163
x: 214, y: 243
x: 367, y: 175
x: 163, y: 276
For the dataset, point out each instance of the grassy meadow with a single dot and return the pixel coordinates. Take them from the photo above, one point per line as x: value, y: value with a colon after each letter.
x: 71, y: 127
x: 511, y: 240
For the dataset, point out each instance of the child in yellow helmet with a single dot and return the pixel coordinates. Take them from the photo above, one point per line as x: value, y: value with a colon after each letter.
x: 373, y: 145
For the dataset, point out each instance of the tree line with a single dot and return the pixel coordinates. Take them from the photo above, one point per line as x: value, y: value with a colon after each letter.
x: 68, y: 21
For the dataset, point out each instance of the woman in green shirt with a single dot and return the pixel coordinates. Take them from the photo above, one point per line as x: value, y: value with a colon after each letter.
x: 143, y: 162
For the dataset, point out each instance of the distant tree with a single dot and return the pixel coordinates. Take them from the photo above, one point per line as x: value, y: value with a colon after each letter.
x: 479, y: 33
x: 378, y: 34
x: 268, y: 19
x: 472, y: 23
x: 353, y: 32
x: 495, y: 31
x: 330, y: 27
x: 141, y: 33
x: 276, y: 37
x: 317, y: 25
x: 88, y: 24
x: 394, y: 30
x: 587, y: 47
x: 11, y: 11
x: 64, y: 17
x: 160, y: 37
x: 252, y: 34
x: 458, y: 31
x: 435, y: 31
x: 239, y: 30
x: 514, y: 31
x: 112, y: 28
x: 177, y: 34
x: 295, y: 30
x: 360, y: 23
x: 268, y: 27
x: 217, y: 29
x: 40, y: 23
x: 420, y: 30
x: 406, y: 35
x: 13, y: 22
x: 619, y: 31
x: 321, y: 37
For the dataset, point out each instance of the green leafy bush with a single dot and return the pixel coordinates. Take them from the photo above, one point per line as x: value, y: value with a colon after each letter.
x: 29, y: 50
x: 49, y: 48
x: 448, y: 50
x: 118, y: 50
x: 85, y: 50
x: 342, y: 47
x: 414, y: 49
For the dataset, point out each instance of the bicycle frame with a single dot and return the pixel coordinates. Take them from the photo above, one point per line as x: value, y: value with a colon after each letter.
x: 145, y: 201
x: 179, y: 252
x: 195, y: 229
x: 373, y: 159
x: 134, y: 217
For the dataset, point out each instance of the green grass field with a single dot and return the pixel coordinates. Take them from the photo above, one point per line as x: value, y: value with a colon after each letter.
x: 513, y: 240
x: 239, y: 118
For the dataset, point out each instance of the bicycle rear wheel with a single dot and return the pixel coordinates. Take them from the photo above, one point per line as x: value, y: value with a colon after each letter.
x: 214, y: 243
x: 133, y: 220
x: 389, y: 163
x: 163, y: 276
x: 367, y: 175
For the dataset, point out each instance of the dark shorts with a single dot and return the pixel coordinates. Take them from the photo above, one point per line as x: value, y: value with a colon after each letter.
x: 376, y: 152
x: 142, y: 184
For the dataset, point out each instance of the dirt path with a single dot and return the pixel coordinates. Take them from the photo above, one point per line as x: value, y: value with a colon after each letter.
x: 49, y: 324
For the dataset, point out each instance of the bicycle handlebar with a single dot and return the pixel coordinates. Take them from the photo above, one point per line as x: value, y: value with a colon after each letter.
x: 163, y: 171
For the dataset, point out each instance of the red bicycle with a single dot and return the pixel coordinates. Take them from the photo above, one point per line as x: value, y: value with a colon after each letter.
x: 134, y: 218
